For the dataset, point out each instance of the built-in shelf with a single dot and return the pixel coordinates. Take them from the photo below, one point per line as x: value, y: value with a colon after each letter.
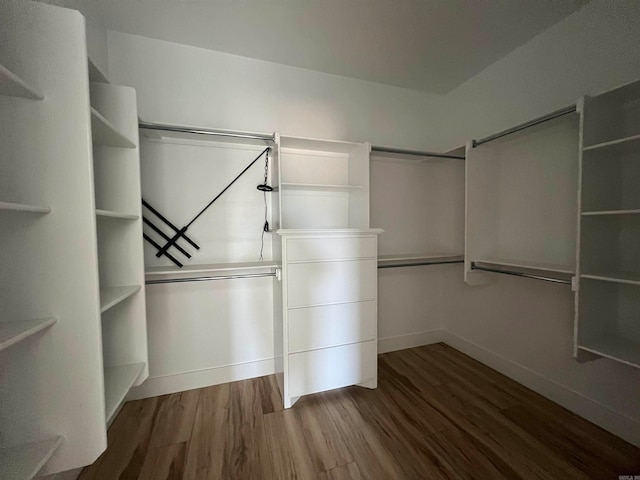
x: 117, y: 383
x: 620, y: 146
x: 410, y: 259
x: 95, y: 74
x: 615, y: 348
x: 23, y: 462
x: 22, y: 207
x: 105, y: 134
x: 210, y: 268
x: 612, y: 212
x: 317, y: 186
x: 111, y: 296
x: 16, y: 331
x: 13, y: 86
x: 120, y: 215
x: 527, y: 265
x: 326, y: 231
x: 614, y: 277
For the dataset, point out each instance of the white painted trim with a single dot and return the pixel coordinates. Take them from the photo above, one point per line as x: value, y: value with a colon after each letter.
x: 615, y: 422
x: 402, y: 342
x: 180, y: 382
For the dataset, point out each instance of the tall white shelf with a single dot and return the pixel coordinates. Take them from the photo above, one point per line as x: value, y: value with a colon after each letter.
x: 325, y: 308
x: 608, y: 289
x: 58, y: 250
x: 520, y: 202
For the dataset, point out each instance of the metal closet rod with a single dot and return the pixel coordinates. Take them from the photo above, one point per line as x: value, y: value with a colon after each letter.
x: 520, y: 274
x: 418, y: 153
x: 205, y: 131
x: 208, y: 279
x: 419, y: 264
x: 523, y: 126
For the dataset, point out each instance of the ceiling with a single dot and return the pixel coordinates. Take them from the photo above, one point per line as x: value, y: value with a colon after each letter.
x: 427, y: 45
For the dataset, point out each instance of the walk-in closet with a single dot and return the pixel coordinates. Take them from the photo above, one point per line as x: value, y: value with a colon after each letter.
x: 319, y: 240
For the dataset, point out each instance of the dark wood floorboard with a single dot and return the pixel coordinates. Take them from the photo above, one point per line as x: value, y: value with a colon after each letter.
x: 436, y: 414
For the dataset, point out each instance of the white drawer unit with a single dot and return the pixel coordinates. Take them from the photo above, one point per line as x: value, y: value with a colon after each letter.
x: 329, y: 311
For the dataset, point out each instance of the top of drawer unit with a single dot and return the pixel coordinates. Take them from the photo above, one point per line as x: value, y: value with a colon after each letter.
x: 330, y: 248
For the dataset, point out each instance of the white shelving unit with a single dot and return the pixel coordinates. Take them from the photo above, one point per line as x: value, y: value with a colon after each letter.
x: 608, y: 291
x: 120, y: 251
x: 324, y: 239
x: 52, y: 385
x: 520, y: 201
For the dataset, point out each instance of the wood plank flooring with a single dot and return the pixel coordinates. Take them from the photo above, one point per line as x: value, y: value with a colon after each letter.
x: 436, y: 414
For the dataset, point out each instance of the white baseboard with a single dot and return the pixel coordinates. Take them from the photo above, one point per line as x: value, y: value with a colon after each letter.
x: 154, y: 386
x: 402, y: 342
x: 615, y: 422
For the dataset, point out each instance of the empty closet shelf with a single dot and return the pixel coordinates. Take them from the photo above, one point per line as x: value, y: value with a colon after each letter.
x: 13, y: 86
x: 25, y: 461
x: 111, y: 296
x: 23, y: 207
x: 621, y: 146
x: 117, y: 383
x: 119, y: 215
x: 16, y: 331
x: 613, y: 347
x: 105, y: 134
x: 414, y: 260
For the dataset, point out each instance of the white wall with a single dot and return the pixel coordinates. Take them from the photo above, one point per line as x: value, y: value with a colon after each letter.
x: 522, y: 327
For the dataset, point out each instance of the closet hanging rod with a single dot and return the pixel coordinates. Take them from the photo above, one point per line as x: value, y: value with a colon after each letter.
x: 206, y: 131
x: 417, y: 153
x: 207, y: 279
x: 421, y: 263
x: 523, y: 126
x: 520, y: 274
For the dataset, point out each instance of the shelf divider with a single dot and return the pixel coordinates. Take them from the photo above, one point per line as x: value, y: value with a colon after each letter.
x: 13, y: 86
x: 105, y: 134
x: 117, y: 383
x: 23, y: 462
x: 16, y: 331
x: 23, y: 207
x: 111, y: 296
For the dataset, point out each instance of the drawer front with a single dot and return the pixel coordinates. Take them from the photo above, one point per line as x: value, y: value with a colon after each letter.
x: 330, y: 325
x: 335, y: 367
x: 301, y: 249
x: 311, y: 284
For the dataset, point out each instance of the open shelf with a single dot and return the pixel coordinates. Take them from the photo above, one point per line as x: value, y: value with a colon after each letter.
x: 410, y: 259
x: 95, y: 74
x: 615, y: 277
x: 634, y: 211
x: 314, y: 186
x: 105, y: 134
x: 16, y: 331
x: 111, y: 296
x: 527, y: 265
x: 23, y: 462
x: 117, y: 383
x: 21, y: 207
x: 13, y: 86
x: 616, y: 348
x: 210, y: 268
x: 621, y: 146
x: 111, y: 214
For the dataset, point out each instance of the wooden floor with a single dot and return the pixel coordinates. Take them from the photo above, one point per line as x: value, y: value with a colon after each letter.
x: 436, y: 414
